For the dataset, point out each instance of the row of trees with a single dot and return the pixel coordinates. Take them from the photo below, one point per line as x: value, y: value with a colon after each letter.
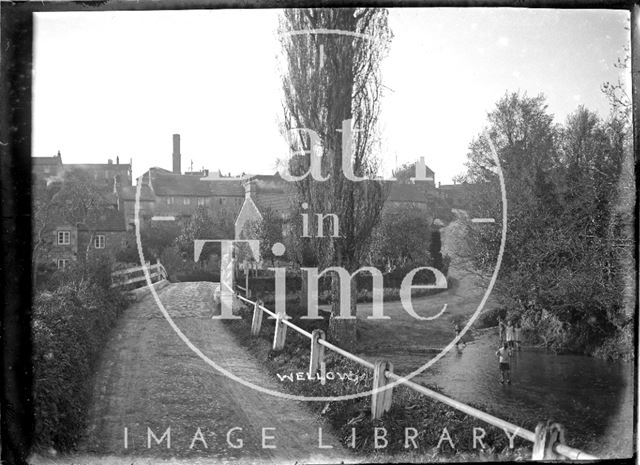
x: 568, y: 262
x: 403, y: 239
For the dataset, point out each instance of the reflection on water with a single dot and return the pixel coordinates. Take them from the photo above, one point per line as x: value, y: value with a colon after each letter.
x: 592, y: 398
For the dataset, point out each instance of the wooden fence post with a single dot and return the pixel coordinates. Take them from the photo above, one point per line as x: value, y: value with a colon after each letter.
x: 256, y: 323
x: 381, y: 401
x: 246, y: 282
x: 280, y: 332
x: 548, y: 435
x: 317, y: 352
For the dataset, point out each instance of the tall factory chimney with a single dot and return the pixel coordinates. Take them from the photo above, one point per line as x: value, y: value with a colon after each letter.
x: 176, y: 154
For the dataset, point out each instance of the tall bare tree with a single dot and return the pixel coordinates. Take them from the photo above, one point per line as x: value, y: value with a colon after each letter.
x: 329, y: 78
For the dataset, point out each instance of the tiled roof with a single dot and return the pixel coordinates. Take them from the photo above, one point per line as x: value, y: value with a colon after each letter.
x: 109, y: 219
x: 129, y: 193
x: 164, y: 183
x: 94, y: 166
x: 272, y: 192
x: 278, y: 202
x: 45, y: 161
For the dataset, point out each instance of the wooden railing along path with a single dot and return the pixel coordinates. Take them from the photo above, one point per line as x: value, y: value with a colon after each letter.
x: 135, y: 275
x: 548, y: 439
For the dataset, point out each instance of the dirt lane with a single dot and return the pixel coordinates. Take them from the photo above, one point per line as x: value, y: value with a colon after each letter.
x: 148, y: 378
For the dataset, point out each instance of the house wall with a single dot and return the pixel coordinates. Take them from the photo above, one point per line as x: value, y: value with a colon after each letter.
x: 147, y: 208
x: 114, y: 241
x: 52, y: 251
x: 45, y: 171
x: 215, y: 205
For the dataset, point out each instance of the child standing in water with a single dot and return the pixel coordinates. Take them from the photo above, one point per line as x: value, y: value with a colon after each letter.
x: 501, y: 329
x: 457, y: 329
x: 517, y: 332
x: 505, y: 371
x: 510, y: 335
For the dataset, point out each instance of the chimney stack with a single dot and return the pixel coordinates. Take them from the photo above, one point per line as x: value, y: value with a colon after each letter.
x: 250, y: 189
x: 176, y: 154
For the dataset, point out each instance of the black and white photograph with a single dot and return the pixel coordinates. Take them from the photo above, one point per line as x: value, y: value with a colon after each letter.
x: 317, y: 234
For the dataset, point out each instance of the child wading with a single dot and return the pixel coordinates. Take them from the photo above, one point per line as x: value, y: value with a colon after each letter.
x: 510, y: 335
x: 517, y: 332
x: 505, y: 370
x: 457, y: 329
x: 501, y: 329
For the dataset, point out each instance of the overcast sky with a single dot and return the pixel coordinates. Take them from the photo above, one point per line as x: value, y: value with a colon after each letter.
x: 121, y: 83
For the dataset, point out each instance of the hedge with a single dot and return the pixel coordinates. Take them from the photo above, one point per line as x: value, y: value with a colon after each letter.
x: 70, y: 327
x: 393, y: 280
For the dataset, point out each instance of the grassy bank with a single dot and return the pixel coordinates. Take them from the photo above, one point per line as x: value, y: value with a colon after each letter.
x: 411, y: 414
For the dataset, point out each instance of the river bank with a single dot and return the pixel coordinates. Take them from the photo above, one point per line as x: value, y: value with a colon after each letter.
x: 416, y: 428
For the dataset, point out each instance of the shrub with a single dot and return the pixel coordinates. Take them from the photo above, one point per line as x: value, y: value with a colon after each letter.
x: 489, y: 318
x: 70, y: 326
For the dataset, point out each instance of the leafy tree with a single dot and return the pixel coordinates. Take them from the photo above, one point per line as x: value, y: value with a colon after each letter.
x: 200, y: 226
x: 269, y: 231
x: 321, y: 90
x: 405, y: 172
x: 157, y: 236
x: 562, y: 270
x: 400, y: 240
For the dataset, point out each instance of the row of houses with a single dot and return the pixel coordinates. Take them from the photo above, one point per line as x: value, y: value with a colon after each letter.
x: 175, y: 194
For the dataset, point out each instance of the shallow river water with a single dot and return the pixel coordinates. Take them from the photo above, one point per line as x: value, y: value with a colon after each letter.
x: 592, y: 398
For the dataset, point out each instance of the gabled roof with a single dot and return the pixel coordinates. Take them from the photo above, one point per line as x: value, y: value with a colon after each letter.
x: 165, y: 183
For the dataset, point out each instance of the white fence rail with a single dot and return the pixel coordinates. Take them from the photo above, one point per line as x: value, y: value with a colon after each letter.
x: 548, y: 438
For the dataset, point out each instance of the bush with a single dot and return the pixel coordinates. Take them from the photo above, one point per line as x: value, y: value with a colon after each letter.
x: 70, y: 326
x: 489, y: 318
x: 293, y: 282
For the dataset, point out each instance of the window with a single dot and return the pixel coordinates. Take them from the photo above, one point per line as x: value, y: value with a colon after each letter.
x: 64, y: 238
x: 99, y: 241
x: 187, y: 201
x: 221, y: 200
x: 201, y: 201
x: 170, y: 200
x: 63, y: 263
